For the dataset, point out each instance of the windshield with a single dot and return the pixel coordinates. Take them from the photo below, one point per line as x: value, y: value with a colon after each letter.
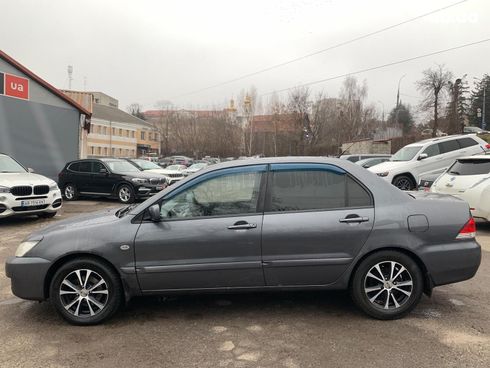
x: 121, y: 167
x: 406, y: 153
x: 9, y: 165
x: 470, y: 167
x: 146, y: 165
x: 198, y: 166
x: 175, y: 167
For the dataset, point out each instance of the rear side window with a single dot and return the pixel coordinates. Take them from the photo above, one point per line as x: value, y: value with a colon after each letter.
x: 301, y: 190
x: 85, y: 166
x: 470, y: 167
x: 467, y: 142
x: 449, y: 146
x: 74, y: 166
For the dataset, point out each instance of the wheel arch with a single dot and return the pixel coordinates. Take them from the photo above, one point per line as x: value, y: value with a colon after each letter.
x: 428, y: 284
x: 73, y: 256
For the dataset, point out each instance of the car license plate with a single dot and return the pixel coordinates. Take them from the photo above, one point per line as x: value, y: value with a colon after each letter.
x: 32, y: 202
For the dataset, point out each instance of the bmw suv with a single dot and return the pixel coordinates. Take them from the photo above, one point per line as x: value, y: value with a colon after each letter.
x: 108, y: 177
x: 25, y: 193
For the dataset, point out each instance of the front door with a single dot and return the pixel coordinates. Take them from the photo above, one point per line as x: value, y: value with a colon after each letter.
x: 317, y: 217
x: 209, y: 236
x: 101, y: 180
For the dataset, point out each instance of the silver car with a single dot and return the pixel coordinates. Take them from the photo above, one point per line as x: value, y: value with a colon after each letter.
x: 261, y: 224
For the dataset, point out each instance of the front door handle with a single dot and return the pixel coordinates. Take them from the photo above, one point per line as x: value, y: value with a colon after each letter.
x: 242, y: 225
x: 354, y: 219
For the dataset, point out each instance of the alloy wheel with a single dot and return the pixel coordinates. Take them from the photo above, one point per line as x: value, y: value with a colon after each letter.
x: 404, y: 184
x: 124, y: 194
x: 84, y: 293
x: 69, y: 192
x: 388, y: 285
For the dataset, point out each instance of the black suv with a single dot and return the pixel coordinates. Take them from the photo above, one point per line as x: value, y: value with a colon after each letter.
x: 107, y: 177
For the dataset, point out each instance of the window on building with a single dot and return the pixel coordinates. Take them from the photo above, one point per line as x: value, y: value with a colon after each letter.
x: 113, y: 152
x: 142, y: 136
x: 132, y: 134
x: 113, y: 131
x: 92, y: 150
x: 105, y: 151
x: 120, y: 132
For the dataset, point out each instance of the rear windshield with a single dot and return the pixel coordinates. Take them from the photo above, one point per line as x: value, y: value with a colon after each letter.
x: 470, y: 167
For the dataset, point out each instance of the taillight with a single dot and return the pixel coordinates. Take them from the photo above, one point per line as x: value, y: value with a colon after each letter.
x: 487, y: 146
x: 468, y: 231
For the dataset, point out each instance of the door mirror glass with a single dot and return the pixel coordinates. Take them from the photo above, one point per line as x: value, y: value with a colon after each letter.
x: 154, y: 212
x: 422, y: 156
x: 103, y: 170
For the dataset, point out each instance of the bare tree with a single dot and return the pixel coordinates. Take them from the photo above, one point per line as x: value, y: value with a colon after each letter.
x: 299, y: 107
x: 136, y: 109
x: 163, y: 123
x: 434, y: 85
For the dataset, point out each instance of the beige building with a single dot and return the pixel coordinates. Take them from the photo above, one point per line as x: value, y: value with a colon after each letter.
x: 114, y: 132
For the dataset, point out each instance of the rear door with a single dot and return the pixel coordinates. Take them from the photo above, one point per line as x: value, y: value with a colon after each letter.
x: 317, y: 217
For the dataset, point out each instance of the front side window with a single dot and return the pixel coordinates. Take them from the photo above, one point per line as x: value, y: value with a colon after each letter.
x: 302, y: 190
x: 232, y: 194
x: 407, y: 153
x: 432, y: 150
x: 85, y: 166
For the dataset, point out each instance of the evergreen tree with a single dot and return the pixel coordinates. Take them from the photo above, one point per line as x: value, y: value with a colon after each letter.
x: 458, y: 106
x: 477, y: 101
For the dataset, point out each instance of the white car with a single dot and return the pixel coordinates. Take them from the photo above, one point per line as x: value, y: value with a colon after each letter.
x: 469, y: 179
x: 171, y: 176
x: 194, y: 168
x: 430, y: 156
x: 25, y: 193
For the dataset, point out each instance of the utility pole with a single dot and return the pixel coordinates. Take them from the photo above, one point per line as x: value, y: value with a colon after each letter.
x: 483, y: 122
x: 70, y: 75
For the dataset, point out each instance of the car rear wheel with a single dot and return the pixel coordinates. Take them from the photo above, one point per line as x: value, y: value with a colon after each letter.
x: 387, y: 285
x: 404, y: 182
x: 125, y: 194
x: 70, y: 192
x: 86, y: 291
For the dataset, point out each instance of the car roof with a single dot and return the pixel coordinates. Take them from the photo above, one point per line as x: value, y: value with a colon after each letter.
x: 475, y: 157
x: 440, y: 139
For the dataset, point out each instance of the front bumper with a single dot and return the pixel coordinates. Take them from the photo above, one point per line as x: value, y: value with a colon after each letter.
x: 27, y: 276
x: 145, y: 191
x: 12, y: 206
x: 453, y: 262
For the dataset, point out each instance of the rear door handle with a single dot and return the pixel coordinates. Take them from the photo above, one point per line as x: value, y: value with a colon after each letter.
x: 349, y: 220
x: 242, y: 225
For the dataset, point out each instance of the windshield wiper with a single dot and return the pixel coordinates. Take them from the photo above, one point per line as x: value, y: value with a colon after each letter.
x: 122, y: 211
x: 454, y: 172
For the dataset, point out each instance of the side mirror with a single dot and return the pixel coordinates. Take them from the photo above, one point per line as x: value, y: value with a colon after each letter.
x: 422, y: 156
x: 154, y: 212
x: 103, y: 171
x: 30, y: 169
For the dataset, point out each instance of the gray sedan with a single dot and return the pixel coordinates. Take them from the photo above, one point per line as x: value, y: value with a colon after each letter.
x: 261, y: 224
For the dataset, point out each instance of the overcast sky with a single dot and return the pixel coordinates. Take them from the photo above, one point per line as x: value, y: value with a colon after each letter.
x: 145, y: 51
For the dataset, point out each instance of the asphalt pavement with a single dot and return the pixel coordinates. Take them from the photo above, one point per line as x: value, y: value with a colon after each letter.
x: 303, y: 329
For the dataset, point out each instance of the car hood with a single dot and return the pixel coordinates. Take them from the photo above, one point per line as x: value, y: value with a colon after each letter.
x: 10, y: 179
x: 140, y: 174
x: 387, y: 166
x: 84, y: 221
x: 164, y: 172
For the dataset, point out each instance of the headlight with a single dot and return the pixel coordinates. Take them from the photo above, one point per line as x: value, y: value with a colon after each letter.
x: 25, y: 247
x: 139, y: 181
x: 4, y: 189
x: 53, y: 187
x: 383, y: 173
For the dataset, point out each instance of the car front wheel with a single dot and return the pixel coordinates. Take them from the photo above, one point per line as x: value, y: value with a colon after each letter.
x: 86, y: 291
x: 70, y: 192
x: 125, y: 194
x: 387, y: 285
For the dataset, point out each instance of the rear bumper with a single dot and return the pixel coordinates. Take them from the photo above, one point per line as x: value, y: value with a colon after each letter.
x: 450, y: 263
x: 27, y: 275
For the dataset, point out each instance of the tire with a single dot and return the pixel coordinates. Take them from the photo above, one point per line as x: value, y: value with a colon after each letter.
x: 70, y: 192
x: 370, y: 295
x: 125, y: 194
x: 46, y: 215
x: 404, y: 182
x: 79, y: 304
